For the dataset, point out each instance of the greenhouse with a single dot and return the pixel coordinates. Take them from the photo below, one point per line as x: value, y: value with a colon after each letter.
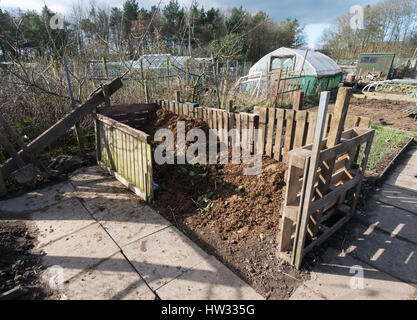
x: 317, y: 71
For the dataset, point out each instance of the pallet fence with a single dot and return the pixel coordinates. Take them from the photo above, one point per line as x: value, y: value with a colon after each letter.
x: 123, y: 150
x: 282, y: 130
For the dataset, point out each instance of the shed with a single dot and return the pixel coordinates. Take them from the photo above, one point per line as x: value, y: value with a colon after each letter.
x: 317, y: 71
x: 376, y: 63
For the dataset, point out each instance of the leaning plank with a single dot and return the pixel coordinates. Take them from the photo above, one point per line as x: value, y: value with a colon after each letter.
x: 311, y: 178
x: 124, y: 128
x: 63, y: 125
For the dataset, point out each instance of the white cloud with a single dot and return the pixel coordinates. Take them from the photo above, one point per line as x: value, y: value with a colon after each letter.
x: 314, y: 32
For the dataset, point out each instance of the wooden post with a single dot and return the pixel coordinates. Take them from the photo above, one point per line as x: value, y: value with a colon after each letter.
x: 311, y: 178
x: 3, y: 190
x: 78, y: 131
x: 276, y: 89
x: 105, y: 70
x: 225, y: 85
x: 167, y: 75
x: 298, y: 100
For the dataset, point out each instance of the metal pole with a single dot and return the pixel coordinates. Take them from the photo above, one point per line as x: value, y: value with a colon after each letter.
x: 78, y: 131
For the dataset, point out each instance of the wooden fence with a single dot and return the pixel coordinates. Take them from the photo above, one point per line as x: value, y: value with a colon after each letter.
x: 281, y: 131
x: 124, y: 151
x: 221, y: 120
x: 284, y: 130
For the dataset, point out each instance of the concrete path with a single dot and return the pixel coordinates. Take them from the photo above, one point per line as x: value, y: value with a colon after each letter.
x: 99, y: 241
x: 380, y: 244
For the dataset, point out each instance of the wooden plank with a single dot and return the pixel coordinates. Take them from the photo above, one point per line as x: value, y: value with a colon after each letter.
x: 124, y: 128
x: 226, y: 127
x: 252, y: 120
x: 262, y: 112
x: 279, y: 137
x: 270, y: 131
x: 276, y: 88
x: 244, y: 127
x: 199, y: 113
x: 311, y: 120
x: 63, y: 125
x: 150, y: 173
x: 127, y: 109
x: 298, y: 98
x: 300, y: 129
x: 309, y: 190
x: 289, y: 132
x: 335, y: 134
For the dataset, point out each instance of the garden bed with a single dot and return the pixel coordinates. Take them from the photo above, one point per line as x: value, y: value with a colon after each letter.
x: 387, y: 146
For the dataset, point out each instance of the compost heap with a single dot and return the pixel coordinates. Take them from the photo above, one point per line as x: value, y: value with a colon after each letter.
x: 216, y: 198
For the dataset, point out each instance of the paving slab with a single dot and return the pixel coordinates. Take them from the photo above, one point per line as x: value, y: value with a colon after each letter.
x: 87, y: 175
x: 405, y: 176
x: 207, y: 281
x: 336, y: 278
x: 79, y: 251
x: 113, y: 279
x: 380, y: 250
x: 97, y: 194
x: 305, y: 293
x: 127, y: 220
x: 397, y: 222
x: 398, y: 197
x: 60, y: 220
x: 163, y: 256
x: 39, y: 199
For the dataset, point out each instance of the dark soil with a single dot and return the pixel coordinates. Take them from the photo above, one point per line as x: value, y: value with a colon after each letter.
x: 378, y: 109
x: 60, y: 167
x: 19, y: 265
x: 229, y: 214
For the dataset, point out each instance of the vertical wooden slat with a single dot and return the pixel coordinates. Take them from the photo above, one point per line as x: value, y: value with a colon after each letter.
x: 220, y: 126
x: 300, y: 133
x: 98, y: 141
x: 244, y: 124
x: 270, y: 127
x: 262, y: 112
x: 150, y: 172
x: 312, y: 118
x: 226, y: 127
x: 144, y: 167
x: 289, y: 132
x: 279, y: 116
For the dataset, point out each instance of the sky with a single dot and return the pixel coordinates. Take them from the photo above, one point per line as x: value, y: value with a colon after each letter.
x: 315, y: 15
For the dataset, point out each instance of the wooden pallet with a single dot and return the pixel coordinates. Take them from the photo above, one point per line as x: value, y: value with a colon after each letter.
x: 309, y: 217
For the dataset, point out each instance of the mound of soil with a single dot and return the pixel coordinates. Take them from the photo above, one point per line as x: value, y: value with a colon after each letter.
x: 19, y: 266
x: 229, y: 214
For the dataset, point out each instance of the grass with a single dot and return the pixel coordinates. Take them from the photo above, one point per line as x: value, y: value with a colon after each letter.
x: 385, y: 140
